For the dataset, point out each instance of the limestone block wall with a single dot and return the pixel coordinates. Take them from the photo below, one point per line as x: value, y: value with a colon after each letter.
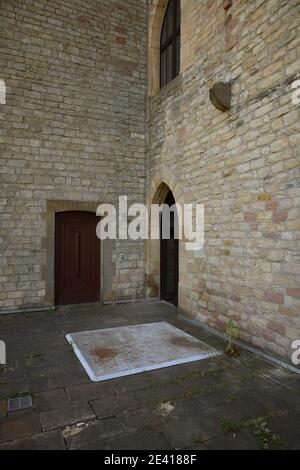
x: 243, y: 164
x: 72, y: 134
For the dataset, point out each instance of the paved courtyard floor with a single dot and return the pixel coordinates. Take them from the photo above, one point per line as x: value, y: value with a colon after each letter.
x: 219, y: 403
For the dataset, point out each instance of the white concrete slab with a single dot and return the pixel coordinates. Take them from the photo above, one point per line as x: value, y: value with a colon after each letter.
x: 117, y: 352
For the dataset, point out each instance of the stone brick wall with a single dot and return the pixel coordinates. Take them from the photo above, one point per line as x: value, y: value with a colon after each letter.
x: 72, y: 134
x: 243, y: 165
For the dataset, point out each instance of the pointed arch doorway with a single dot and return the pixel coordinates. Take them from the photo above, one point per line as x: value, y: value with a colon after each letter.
x: 169, y: 258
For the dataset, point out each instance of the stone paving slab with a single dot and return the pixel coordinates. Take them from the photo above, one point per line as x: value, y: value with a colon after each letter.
x: 287, y: 427
x: 48, y: 400
x: 132, y: 383
x: 52, y: 440
x: 183, y: 432
x: 19, y: 424
x: 78, y: 436
x: 245, y: 440
x: 219, y: 403
x: 90, y: 391
x: 144, y: 439
x: 67, y: 415
x: 108, y: 407
x: 132, y: 420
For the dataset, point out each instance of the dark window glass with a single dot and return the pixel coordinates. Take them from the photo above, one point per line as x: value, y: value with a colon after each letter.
x: 170, y: 44
x: 178, y: 16
x: 169, y: 63
x: 177, y: 55
x: 169, y: 20
x: 163, y: 67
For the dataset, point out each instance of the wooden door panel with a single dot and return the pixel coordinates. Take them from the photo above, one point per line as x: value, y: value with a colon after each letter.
x: 77, y: 258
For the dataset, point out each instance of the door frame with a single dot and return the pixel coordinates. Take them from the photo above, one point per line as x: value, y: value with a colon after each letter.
x: 162, y: 263
x: 48, y: 245
x: 55, y: 262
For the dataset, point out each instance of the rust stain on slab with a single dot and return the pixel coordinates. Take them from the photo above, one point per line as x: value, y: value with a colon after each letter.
x: 104, y: 353
x: 182, y: 342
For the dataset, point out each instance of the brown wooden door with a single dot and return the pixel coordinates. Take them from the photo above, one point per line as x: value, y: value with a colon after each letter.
x: 77, y: 258
x: 169, y: 261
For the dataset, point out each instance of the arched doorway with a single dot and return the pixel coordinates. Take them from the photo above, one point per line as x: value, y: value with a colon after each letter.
x: 169, y: 256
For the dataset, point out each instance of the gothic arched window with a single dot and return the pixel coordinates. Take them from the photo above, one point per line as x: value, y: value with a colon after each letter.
x: 170, y: 44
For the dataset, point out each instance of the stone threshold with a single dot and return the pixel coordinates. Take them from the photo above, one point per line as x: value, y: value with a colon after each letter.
x: 26, y: 310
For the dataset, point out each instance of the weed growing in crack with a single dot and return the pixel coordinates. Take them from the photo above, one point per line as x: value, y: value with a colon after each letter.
x: 232, y: 333
x: 265, y: 438
x: 33, y: 355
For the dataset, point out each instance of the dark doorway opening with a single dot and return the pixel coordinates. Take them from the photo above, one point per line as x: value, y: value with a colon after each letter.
x: 169, y: 258
x: 77, y: 258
